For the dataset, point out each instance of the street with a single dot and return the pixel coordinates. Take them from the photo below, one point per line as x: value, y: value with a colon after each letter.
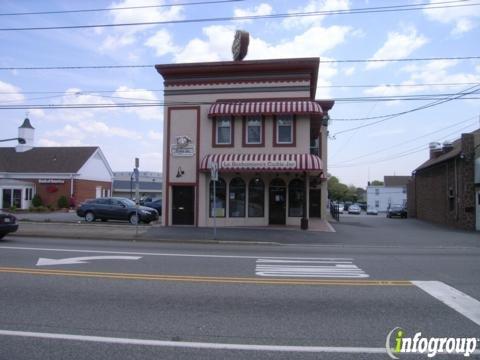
x: 334, y: 298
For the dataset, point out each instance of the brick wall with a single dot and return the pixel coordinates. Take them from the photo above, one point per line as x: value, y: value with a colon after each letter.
x: 445, y: 193
x: 50, y: 193
x: 86, y: 189
x: 411, y: 199
x: 83, y: 190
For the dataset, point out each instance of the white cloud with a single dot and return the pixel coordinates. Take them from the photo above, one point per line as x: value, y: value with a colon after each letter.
x: 123, y: 36
x: 216, y: 47
x: 314, y: 6
x: 219, y: 38
x: 349, y: 71
x: 155, y: 135
x: 262, y: 9
x: 67, y: 142
x: 218, y: 41
x: 433, y: 72
x: 465, y: 18
x: 141, y: 96
x: 398, y: 45
x: 10, y: 93
x: 162, y: 43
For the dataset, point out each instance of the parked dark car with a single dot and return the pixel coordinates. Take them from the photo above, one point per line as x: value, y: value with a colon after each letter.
x: 8, y: 224
x: 155, y: 204
x: 116, y: 208
x: 396, y: 210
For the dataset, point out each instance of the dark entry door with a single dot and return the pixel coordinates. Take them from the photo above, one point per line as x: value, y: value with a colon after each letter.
x: 278, y: 202
x: 315, y: 207
x: 183, y: 202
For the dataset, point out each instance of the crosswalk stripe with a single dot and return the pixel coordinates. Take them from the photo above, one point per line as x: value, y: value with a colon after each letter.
x: 308, y: 268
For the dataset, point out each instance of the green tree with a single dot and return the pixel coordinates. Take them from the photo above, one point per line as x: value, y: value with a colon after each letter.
x: 62, y: 202
x: 336, y: 190
x: 37, y: 201
x: 377, y: 183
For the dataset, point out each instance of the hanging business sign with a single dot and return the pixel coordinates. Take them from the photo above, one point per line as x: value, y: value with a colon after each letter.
x: 183, y: 147
x: 233, y: 165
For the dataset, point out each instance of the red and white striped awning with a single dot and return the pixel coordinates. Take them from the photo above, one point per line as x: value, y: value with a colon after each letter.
x: 300, y: 107
x: 263, y: 162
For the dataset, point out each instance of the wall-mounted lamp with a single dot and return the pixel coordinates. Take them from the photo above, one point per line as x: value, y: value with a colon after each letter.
x: 180, y: 172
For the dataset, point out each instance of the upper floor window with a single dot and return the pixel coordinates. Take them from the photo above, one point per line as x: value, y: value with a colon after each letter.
x: 377, y: 191
x: 253, y: 130
x: 223, y: 131
x: 284, y: 130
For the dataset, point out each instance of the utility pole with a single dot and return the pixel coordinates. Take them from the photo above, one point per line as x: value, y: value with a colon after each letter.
x: 137, y: 190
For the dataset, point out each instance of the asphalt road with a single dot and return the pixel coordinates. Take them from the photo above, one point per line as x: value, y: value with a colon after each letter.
x: 337, y: 298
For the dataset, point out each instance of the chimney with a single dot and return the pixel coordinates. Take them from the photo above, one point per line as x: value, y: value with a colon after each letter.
x: 26, y: 132
x: 447, y: 146
x: 435, y: 150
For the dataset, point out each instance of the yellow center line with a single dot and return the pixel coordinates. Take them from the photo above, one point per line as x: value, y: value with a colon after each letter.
x: 205, y: 279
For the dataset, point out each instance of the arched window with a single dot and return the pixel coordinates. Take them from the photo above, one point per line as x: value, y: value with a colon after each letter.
x: 236, y: 196
x: 296, y: 196
x: 256, y: 198
x: 220, y: 198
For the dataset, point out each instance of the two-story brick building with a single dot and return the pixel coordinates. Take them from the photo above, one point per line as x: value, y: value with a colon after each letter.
x: 259, y: 123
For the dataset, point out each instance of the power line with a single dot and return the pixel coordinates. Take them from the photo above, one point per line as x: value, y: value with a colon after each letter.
x: 87, y: 92
x: 401, y: 154
x: 395, y: 85
x: 408, y: 141
x: 458, y: 95
x: 100, y: 67
x: 380, y: 9
x: 119, y: 8
x: 364, y: 99
x: 153, y: 103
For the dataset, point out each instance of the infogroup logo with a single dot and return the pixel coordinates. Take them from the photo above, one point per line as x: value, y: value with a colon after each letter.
x: 397, y: 343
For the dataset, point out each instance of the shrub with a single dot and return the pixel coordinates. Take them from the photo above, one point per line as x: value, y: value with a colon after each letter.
x: 37, y: 201
x: 62, y: 202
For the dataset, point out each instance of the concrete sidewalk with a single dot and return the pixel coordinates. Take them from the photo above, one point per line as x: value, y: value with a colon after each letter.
x: 156, y: 232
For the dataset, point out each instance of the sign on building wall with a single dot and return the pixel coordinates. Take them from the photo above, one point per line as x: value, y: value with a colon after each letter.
x: 258, y: 164
x: 51, y: 181
x: 182, y: 147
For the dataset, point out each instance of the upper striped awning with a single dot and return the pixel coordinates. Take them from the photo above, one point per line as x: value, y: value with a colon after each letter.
x: 300, y: 107
x: 263, y: 162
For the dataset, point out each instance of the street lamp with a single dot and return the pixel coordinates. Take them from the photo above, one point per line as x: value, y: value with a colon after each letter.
x: 19, y: 139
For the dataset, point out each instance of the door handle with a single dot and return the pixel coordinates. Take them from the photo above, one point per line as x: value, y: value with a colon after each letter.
x: 181, y: 208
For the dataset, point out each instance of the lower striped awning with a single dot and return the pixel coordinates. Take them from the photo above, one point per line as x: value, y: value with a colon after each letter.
x: 263, y: 162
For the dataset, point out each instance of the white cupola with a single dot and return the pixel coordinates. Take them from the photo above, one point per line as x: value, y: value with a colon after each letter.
x: 26, y: 132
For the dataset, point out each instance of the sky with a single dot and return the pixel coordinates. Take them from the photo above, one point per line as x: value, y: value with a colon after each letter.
x: 359, y: 149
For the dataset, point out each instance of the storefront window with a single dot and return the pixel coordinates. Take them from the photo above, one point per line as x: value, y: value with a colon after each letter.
x: 224, y: 130
x: 256, y: 198
x: 296, y: 196
x: 254, y: 130
x: 236, y: 196
x: 285, y: 129
x: 220, y: 198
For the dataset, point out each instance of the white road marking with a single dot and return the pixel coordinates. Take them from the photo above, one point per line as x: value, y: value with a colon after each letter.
x: 165, y: 254
x: 197, y: 345
x: 457, y: 300
x: 308, y: 268
x: 82, y: 260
